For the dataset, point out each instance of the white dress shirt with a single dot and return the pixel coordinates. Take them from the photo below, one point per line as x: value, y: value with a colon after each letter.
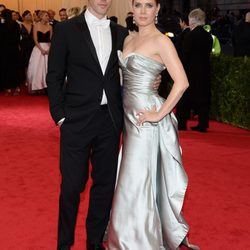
x: 101, y: 37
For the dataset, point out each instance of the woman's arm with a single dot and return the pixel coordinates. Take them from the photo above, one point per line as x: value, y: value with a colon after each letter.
x: 168, y: 55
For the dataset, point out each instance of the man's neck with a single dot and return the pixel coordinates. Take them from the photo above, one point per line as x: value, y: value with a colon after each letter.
x: 99, y: 16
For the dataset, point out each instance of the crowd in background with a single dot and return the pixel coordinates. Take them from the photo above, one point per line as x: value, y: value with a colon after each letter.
x: 24, y: 47
x: 25, y: 43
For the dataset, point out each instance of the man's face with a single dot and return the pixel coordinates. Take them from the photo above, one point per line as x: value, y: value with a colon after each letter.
x: 182, y: 24
x: 51, y: 14
x: 1, y: 9
x: 99, y: 8
x: 14, y: 16
x: 192, y: 23
x: 63, y: 15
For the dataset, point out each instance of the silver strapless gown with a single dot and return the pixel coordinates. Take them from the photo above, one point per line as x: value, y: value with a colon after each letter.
x: 146, y: 212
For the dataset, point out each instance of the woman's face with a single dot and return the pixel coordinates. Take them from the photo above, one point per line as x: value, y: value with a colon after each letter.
x: 145, y: 11
x: 45, y: 17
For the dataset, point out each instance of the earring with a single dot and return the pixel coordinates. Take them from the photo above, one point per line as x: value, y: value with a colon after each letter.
x: 156, y: 18
x: 134, y: 21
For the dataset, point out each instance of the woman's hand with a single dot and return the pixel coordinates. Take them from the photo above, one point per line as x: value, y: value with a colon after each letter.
x: 148, y: 116
x: 44, y: 52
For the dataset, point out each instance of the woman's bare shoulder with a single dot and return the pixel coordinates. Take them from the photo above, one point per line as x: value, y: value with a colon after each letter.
x: 163, y: 39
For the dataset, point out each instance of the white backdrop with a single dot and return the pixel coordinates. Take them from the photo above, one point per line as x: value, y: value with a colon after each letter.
x: 119, y: 8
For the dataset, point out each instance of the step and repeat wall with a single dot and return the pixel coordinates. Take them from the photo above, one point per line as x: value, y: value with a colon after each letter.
x: 119, y: 8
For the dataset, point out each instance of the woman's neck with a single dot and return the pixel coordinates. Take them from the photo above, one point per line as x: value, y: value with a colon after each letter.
x: 146, y: 30
x: 43, y: 22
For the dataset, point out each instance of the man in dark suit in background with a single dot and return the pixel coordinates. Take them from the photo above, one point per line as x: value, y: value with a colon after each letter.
x: 52, y: 20
x: 181, y: 108
x: 241, y: 38
x: 195, y: 57
x: 183, y: 22
x: 89, y: 112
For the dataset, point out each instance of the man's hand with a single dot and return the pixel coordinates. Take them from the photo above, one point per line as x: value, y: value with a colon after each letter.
x: 59, y: 124
x: 157, y: 82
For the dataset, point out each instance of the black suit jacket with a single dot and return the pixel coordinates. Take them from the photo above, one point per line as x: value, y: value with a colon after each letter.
x: 73, y: 55
x: 241, y: 39
x: 180, y: 40
x: 197, y: 47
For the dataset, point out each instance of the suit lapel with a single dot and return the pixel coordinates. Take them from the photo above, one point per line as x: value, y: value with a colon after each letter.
x: 113, y: 55
x: 82, y: 25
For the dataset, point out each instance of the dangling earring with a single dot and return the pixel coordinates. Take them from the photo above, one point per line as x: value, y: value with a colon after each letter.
x: 134, y: 21
x: 156, y: 18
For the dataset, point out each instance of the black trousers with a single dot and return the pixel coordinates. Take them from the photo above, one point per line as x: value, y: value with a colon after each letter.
x: 183, y: 110
x: 99, y: 143
x: 202, y: 110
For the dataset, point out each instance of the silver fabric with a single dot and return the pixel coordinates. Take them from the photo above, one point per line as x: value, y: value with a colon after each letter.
x: 152, y: 182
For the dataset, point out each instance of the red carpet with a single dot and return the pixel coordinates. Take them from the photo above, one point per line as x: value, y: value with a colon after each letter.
x: 217, y: 204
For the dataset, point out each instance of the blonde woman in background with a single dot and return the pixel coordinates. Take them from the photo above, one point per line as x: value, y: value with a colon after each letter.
x: 74, y: 11
x: 37, y: 69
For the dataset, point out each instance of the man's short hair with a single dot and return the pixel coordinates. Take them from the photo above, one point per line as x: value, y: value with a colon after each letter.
x: 62, y: 9
x: 184, y: 18
x: 198, y: 16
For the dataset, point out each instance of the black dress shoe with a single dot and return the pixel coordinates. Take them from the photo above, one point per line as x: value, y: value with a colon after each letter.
x: 95, y: 246
x: 182, y: 128
x: 199, y: 129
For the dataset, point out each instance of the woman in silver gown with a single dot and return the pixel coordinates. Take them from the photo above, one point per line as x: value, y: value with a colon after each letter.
x: 151, y: 185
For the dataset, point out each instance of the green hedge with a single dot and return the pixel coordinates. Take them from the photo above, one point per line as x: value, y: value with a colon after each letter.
x: 231, y: 90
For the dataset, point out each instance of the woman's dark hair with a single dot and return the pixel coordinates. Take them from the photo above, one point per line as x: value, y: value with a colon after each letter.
x: 25, y: 13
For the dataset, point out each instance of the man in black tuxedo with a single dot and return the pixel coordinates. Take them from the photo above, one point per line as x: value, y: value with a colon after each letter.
x: 52, y: 21
x: 182, y: 113
x: 241, y: 37
x: 197, y: 47
x: 183, y: 22
x: 88, y: 109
